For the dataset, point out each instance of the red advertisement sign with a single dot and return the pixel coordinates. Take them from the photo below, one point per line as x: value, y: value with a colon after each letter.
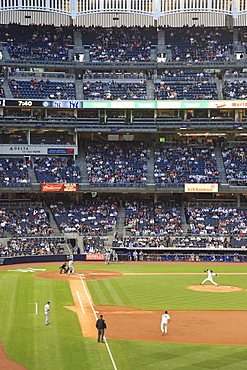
x: 95, y: 257
x: 59, y: 187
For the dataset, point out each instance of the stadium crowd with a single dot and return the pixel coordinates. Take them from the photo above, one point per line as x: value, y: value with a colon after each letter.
x: 117, y: 163
x: 40, y: 89
x: 25, y: 221
x: 185, y: 164
x: 38, y: 42
x: 235, y: 163
x: 114, y: 44
x: 114, y: 90
x: 143, y: 219
x: 59, y: 170
x: 14, y: 171
x: 140, y: 242
x: 92, y: 218
x: 17, y: 247
x: 216, y: 220
x: 196, y: 44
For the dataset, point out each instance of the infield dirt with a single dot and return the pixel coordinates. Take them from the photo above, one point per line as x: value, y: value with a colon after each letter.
x: 208, y: 327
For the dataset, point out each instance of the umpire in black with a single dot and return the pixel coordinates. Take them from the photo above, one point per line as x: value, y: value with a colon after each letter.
x: 101, y: 326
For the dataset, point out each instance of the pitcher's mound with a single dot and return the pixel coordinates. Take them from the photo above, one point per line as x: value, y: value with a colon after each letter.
x: 214, y: 288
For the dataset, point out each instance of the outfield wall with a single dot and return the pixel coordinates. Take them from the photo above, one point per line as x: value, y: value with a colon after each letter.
x: 123, y: 256
x: 41, y: 259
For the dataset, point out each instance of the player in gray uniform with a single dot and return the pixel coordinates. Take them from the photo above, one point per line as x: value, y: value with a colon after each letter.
x: 135, y: 255
x: 71, y: 269
x: 107, y: 257
x: 47, y: 313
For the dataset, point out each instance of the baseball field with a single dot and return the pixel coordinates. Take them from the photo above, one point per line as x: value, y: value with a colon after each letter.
x: 208, y: 328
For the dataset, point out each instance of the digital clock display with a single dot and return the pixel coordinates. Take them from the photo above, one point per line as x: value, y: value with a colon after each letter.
x: 25, y: 103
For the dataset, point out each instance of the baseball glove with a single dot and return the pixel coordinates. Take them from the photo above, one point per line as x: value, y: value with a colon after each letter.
x: 205, y: 270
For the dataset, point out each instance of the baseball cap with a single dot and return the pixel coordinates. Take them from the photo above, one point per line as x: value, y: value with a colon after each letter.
x: 48, y: 302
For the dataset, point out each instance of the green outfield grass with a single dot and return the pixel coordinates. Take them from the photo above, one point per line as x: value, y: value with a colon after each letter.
x: 60, y: 346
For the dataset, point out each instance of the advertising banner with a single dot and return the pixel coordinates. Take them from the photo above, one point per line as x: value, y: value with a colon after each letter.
x: 201, y: 188
x: 95, y: 257
x: 59, y: 187
x: 25, y: 149
x: 63, y: 151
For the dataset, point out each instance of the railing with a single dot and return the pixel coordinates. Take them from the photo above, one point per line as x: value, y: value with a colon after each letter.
x: 131, y: 65
x: 20, y: 203
x: 114, y: 76
x: 227, y: 203
x: 49, y: 75
x: 85, y: 186
x: 82, y: 125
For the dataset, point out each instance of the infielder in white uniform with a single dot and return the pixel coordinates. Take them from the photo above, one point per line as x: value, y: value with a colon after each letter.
x: 71, y: 269
x: 47, y: 313
x: 210, y: 277
x: 164, y: 323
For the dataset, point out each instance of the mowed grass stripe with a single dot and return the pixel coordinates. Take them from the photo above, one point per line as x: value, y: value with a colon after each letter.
x: 107, y: 291
x: 174, y: 356
x: 7, y: 298
x: 42, y: 336
x: 152, y: 292
x: 20, y: 322
x: 122, y: 355
x: 114, y: 294
x: 98, y: 293
x: 218, y: 356
x: 165, y: 268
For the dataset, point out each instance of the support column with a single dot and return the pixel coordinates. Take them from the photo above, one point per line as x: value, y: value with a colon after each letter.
x: 236, y: 118
x: 238, y: 200
x: 29, y: 137
x: 155, y: 198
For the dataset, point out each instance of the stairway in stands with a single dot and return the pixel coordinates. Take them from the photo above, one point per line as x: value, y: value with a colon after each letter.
x: 161, y: 42
x: 150, y: 167
x: 219, y: 84
x: 78, y: 48
x: 32, y: 176
x: 78, y: 90
x: 120, y: 222
x: 150, y: 89
x: 183, y: 220
x: 5, y: 52
x: 81, y: 162
x: 7, y: 92
x: 162, y: 47
x: 5, y: 85
x: 220, y: 166
x: 238, y: 47
x: 52, y: 220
